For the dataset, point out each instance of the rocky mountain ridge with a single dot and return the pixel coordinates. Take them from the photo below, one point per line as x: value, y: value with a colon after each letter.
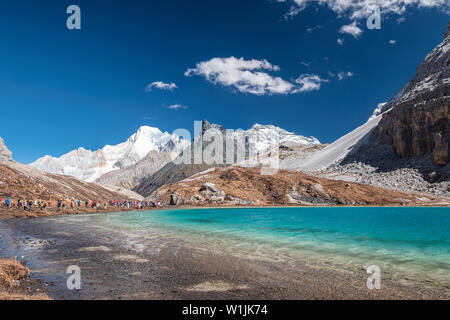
x: 419, y: 120
x: 405, y: 147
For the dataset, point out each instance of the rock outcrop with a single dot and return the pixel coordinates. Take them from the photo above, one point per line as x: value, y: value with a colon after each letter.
x: 419, y: 120
x: 5, y: 154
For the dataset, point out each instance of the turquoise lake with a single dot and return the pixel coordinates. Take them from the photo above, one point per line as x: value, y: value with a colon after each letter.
x: 410, y: 243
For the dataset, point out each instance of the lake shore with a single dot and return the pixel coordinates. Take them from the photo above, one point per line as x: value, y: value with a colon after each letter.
x: 19, y: 213
x: 110, y: 270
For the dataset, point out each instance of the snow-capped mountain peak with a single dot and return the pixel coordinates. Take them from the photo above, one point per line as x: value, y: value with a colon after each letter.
x: 89, y: 165
x: 270, y: 133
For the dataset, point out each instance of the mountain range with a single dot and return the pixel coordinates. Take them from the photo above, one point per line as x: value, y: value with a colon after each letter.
x: 148, y: 150
x: 403, y: 146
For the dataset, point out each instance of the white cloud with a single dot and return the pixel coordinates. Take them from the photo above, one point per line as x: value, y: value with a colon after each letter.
x: 401, y: 20
x: 177, y: 106
x: 352, y: 29
x: 247, y: 76
x: 340, y: 41
x: 343, y: 75
x: 359, y: 9
x: 309, y: 82
x: 161, y: 85
x: 393, y: 42
x: 312, y: 29
x: 251, y: 76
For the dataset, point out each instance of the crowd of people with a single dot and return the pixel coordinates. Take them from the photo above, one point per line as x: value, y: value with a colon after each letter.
x: 28, y: 205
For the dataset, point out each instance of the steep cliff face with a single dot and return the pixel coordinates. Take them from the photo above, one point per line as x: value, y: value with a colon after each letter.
x: 5, y: 154
x: 418, y: 129
x: 419, y: 120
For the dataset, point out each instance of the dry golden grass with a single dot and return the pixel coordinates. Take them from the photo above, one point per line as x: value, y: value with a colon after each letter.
x: 12, y: 272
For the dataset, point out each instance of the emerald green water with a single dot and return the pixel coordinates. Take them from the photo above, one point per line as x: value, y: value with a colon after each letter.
x: 407, y: 243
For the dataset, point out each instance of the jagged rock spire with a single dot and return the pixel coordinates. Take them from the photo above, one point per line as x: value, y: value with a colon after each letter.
x: 5, y: 154
x: 206, y: 125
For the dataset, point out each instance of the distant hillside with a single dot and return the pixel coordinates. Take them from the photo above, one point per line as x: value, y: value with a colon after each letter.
x: 21, y: 181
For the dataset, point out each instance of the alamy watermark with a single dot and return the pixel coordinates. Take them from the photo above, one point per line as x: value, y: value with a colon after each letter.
x: 73, y: 22
x: 74, y: 280
x: 218, y: 146
x: 374, y: 281
x: 374, y: 20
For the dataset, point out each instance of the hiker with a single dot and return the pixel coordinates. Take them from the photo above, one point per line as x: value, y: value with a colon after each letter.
x: 7, y: 202
x: 86, y: 204
x: 59, y: 204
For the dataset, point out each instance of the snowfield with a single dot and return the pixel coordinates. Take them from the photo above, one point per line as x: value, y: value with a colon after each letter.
x: 335, y: 152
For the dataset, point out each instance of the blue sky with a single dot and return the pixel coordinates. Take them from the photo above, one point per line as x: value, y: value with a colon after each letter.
x: 61, y: 89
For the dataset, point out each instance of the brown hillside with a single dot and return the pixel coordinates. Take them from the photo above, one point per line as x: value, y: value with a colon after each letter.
x: 246, y: 186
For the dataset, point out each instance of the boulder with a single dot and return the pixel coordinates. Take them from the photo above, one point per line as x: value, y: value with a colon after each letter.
x: 197, y: 198
x: 176, y: 199
x: 208, y: 186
